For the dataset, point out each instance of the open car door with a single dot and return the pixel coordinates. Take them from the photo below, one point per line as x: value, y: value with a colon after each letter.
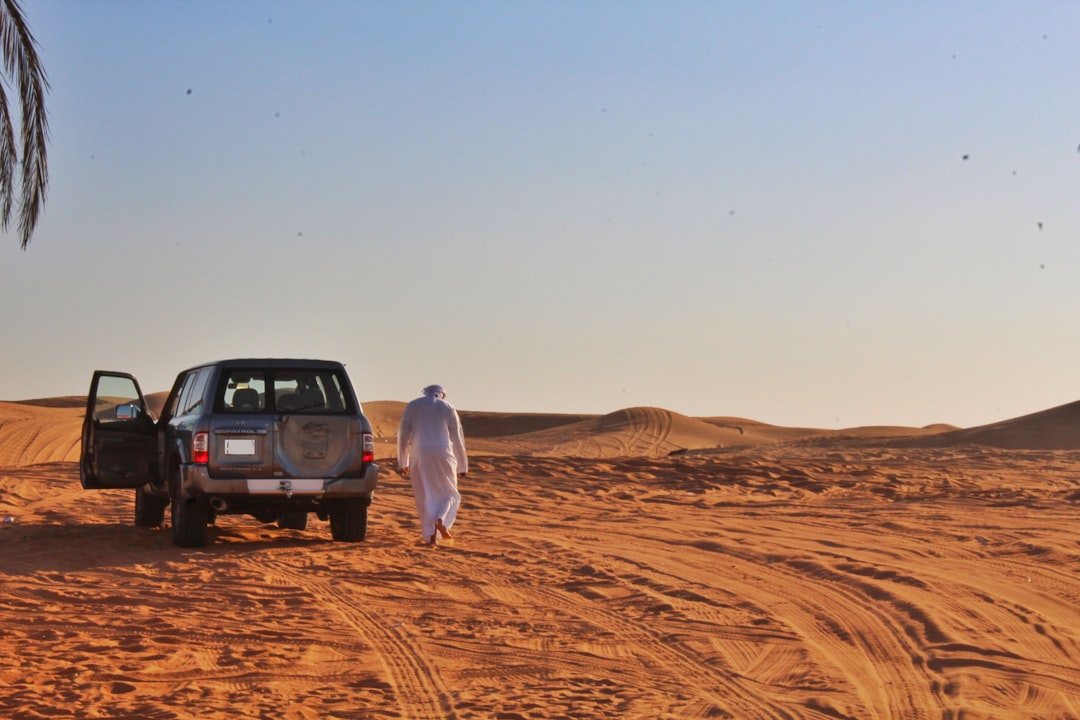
x: 119, y: 437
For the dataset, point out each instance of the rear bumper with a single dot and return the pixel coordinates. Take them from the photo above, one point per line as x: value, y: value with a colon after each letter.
x: 196, y: 481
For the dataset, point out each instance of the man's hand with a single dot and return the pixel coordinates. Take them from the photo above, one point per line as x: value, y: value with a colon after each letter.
x: 404, y: 471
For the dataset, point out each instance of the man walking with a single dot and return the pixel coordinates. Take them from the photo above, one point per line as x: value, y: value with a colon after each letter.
x: 431, y: 452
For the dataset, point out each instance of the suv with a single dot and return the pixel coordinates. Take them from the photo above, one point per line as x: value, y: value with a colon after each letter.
x: 274, y: 439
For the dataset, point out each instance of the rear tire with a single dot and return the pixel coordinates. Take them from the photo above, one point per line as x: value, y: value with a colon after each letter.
x: 189, y: 520
x: 189, y: 517
x: 149, y: 509
x: 348, y: 521
x: 294, y: 520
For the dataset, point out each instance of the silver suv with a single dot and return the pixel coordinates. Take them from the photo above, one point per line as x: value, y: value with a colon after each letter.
x: 272, y: 438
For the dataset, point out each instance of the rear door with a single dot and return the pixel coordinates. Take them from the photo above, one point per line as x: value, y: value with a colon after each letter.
x: 241, y: 428
x: 119, y: 437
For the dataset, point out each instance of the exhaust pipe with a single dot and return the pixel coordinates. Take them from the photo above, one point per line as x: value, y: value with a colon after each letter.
x: 218, y: 504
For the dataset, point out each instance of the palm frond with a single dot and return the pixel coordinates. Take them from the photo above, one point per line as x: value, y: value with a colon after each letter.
x: 23, y: 69
x: 9, y: 155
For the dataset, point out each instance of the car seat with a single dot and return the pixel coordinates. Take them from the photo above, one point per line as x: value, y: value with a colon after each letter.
x: 311, y: 398
x: 246, y: 399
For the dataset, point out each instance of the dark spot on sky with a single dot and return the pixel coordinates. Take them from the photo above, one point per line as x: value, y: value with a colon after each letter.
x: 188, y: 91
x: 964, y: 157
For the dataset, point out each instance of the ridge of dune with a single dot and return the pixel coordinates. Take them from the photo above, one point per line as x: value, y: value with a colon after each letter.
x: 641, y: 431
x: 940, y: 427
x: 763, y: 432
x: 635, y: 431
x: 503, y: 424
x: 61, y: 401
x: 1057, y: 428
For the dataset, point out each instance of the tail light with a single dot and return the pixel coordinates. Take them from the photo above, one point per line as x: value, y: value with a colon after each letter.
x: 200, y: 448
x: 369, y: 448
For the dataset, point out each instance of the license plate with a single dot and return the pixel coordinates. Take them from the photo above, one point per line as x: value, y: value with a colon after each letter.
x: 239, y: 447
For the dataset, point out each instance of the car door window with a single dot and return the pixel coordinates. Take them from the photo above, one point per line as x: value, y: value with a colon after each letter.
x: 117, y: 399
x: 191, y: 394
x: 198, y: 391
x: 185, y: 394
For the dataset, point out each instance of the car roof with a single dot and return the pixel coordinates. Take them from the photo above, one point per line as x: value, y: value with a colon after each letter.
x: 286, y: 363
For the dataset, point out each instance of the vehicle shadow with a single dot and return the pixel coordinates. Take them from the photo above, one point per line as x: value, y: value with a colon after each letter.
x: 30, y: 548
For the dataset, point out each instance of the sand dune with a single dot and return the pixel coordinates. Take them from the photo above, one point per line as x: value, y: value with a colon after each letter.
x: 640, y: 431
x: 45, y: 430
x: 792, y: 573
x: 1054, y: 429
x: 35, y: 433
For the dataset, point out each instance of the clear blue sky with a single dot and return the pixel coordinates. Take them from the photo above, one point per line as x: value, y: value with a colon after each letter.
x: 720, y: 208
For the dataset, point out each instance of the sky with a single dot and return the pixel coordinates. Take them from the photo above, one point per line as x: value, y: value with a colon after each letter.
x: 806, y: 213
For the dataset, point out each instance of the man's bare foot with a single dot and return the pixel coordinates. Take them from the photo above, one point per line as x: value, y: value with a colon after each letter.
x: 443, y: 530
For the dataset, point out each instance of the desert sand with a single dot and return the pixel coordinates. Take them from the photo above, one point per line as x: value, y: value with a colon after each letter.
x: 641, y: 564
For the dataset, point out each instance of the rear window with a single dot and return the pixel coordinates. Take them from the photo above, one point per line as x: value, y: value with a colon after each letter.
x: 283, y: 391
x: 309, y: 391
x: 243, y: 391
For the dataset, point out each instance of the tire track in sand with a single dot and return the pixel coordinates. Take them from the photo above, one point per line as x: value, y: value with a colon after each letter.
x: 853, y: 624
x: 645, y: 432
x: 721, y: 691
x: 649, y: 429
x: 420, y: 690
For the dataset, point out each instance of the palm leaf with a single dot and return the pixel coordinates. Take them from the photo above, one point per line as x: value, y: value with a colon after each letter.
x: 24, y: 71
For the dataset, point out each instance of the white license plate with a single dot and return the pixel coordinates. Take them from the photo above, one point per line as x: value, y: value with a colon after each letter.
x: 239, y: 447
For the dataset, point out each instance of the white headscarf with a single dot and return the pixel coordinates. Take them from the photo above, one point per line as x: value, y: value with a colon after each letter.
x: 435, y: 391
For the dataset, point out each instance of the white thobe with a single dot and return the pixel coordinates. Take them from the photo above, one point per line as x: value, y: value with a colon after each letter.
x: 432, y: 447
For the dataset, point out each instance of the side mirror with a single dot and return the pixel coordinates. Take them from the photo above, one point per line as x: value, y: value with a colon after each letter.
x: 126, y: 412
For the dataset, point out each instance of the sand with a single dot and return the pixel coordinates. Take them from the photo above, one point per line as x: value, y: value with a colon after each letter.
x: 641, y: 564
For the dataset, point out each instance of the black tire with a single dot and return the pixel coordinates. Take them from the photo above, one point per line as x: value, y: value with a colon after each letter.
x: 189, y: 517
x: 294, y: 520
x: 348, y: 521
x: 149, y: 510
x: 189, y: 521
